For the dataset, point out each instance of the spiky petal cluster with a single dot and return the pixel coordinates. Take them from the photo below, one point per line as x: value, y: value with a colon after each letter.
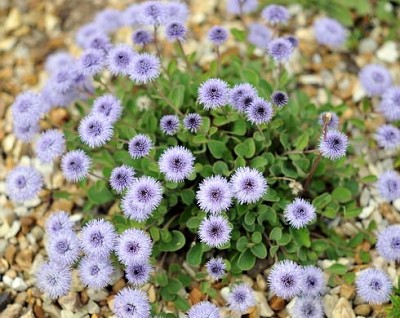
x: 169, y: 124
x: 95, y: 272
x: 131, y: 303
x: 91, y: 62
x: 50, y: 145
x: 119, y: 59
x: 308, y: 307
x: 388, y: 244
x: 333, y: 146
x: 248, y: 185
x: 203, y: 309
x: 312, y: 281
x: 176, y: 163
x: 388, y: 185
x: 133, y: 245
x: 390, y: 104
x: 280, y: 49
x: 279, y: 98
x: 121, y: 178
x: 388, y: 137
x: 259, y: 111
x: 175, y: 31
x: 95, y: 131
x: 23, y: 183
x: 215, y: 231
x: 299, y: 213
x: 142, y: 37
x: 75, y: 165
x: 98, y: 238
x: 192, y: 122
x: 138, y: 273
x: 140, y: 146
x: 259, y: 35
x: 214, y: 195
x: 216, y: 268
x: 242, y: 95
x: 375, y: 79
x: 330, y: 32
x: 213, y: 93
x: 63, y: 249
x: 373, y: 286
x: 59, y: 222
x: 285, y: 279
x: 240, y: 7
x: 241, y: 298
x: 53, y: 279
x: 218, y: 35
x: 144, y: 68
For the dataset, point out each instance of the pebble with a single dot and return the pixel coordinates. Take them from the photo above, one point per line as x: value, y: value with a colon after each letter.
x: 97, y: 294
x: 262, y: 305
x: 388, y: 52
x: 13, y: 230
x: 19, y: 284
x: 92, y: 307
x: 5, y: 299
x: 52, y: 310
x: 367, y: 45
x: 367, y: 211
x: 69, y: 302
x: 347, y: 291
x: 3, y: 246
x: 396, y: 204
x: 329, y: 302
x: 12, y: 311
x: 362, y: 310
x: 364, y: 197
x: 343, y: 309
x: 261, y: 282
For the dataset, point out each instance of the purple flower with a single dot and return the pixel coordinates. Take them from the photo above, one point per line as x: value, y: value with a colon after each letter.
x: 58, y: 223
x: 131, y: 303
x: 142, y: 198
x: 192, y: 122
x: 119, y: 59
x: 121, y: 178
x: 63, y: 248
x: 27, y: 108
x: 58, y: 60
x: 176, y: 163
x: 140, y: 146
x: 215, y: 231
x: 329, y: 32
x: 108, y: 106
x: 299, y: 213
x: 153, y: 13
x: 133, y: 245
x: 280, y: 49
x: 375, y: 79
x: 176, y: 11
x: 241, y: 298
x: 109, y: 20
x: 242, y: 95
x: 275, y: 14
x: 218, y: 35
x: 95, y: 272
x: 203, y: 309
x: 388, y: 137
x: 259, y: 111
x: 279, y: 98
x: 98, y: 238
x: 334, y: 145
x: 241, y: 6
x: 85, y: 32
x: 145, y: 68
x: 62, y: 80
x: 248, y: 185
x: 175, y: 31
x: 331, y: 118
x: 388, y: 243
x: 293, y: 40
x: 308, y: 307
x: 94, y: 130
x: 25, y: 130
x: 23, y: 183
x: 216, y: 268
x: 390, y: 104
x: 98, y: 41
x: 373, y: 286
x: 259, y: 35
x: 75, y: 165
x: 312, y: 281
x: 214, y: 195
x: 50, y: 145
x: 138, y: 273
x: 169, y: 124
x: 213, y: 93
x: 131, y: 15
x: 91, y: 62
x: 142, y: 37
x: 53, y: 279
x: 388, y: 185
x: 285, y: 279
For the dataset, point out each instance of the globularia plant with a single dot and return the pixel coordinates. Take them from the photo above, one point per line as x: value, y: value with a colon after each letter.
x: 227, y: 164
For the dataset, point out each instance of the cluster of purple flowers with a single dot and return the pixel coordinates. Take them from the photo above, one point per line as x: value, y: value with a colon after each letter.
x: 169, y: 124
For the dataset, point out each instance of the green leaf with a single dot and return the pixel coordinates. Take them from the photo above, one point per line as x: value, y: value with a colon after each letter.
x: 174, y: 286
x: 319, y: 245
x: 301, y: 236
x: 342, y: 194
x: 61, y: 195
x: 176, y: 243
x: 239, y: 35
x: 195, y: 255
x: 322, y: 200
x: 241, y: 243
x: 250, y: 76
x: 259, y: 250
x: 302, y: 141
x: 256, y: 237
x: 246, y: 260
x: 99, y: 193
x: 161, y: 278
x: 337, y: 269
x: 217, y: 148
x: 176, y: 95
x: 239, y: 127
x: 275, y: 234
x: 187, y: 196
x: 181, y: 304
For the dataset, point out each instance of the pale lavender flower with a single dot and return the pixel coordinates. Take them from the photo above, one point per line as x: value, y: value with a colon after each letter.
x: 239, y: 7
x: 140, y: 146
x: 176, y: 163
x: 54, y: 98
x: 98, y: 41
x: 388, y: 185
x: 98, y: 238
x: 138, y: 273
x: 59, y: 222
x: 109, y: 20
x: 95, y: 131
x: 312, y: 281
x: 280, y: 49
x: 131, y: 303
x: 308, y: 307
x: 333, y: 146
x: 63, y: 248
x: 175, y: 31
x: 59, y: 59
x: 242, y: 95
x: 169, y: 124
x: 133, y: 245
x: 54, y: 280
x: 300, y: 213
x: 259, y: 35
x: 218, y: 35
x: 91, y: 62
x: 329, y: 32
x: 176, y: 11
x: 293, y: 40
x: 95, y: 272
x: 279, y: 98
x: 145, y: 68
x: 204, y: 309
x: 333, y: 121
x: 121, y: 178
x: 259, y: 111
x: 120, y: 59
x: 131, y: 15
x: 214, y: 195
x: 192, y: 122
x: 285, y: 279
x: 62, y: 80
x: 373, y: 286
x: 241, y: 298
x: 50, y: 145
x: 375, y: 79
x: 142, y: 37
x: 153, y: 13
x: 388, y: 243
x: 390, y: 104
x: 216, y: 268
x: 25, y: 129
x: 108, y: 106
x: 143, y: 197
x: 248, y: 185
x: 388, y: 137
x: 215, y: 231
x: 23, y: 183
x: 275, y: 14
x: 213, y: 93
x: 27, y: 108
x: 75, y: 165
x: 85, y: 32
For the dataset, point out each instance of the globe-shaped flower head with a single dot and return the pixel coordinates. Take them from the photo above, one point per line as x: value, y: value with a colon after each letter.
x: 133, y: 245
x: 308, y: 307
x: 98, y: 238
x: 95, y: 272
x: 95, y: 131
x: 218, y: 35
x: 388, y: 137
x: 131, y: 303
x: 329, y: 32
x: 280, y: 49
x: 375, y: 79
x: 59, y: 222
x: 63, y: 249
x: 145, y: 68
x: 25, y: 130
x: 299, y: 213
x: 333, y: 146
x: 176, y: 11
x: 75, y: 165
x: 213, y: 93
x: 241, y: 298
x: 91, y: 62
x: 176, y: 163
x: 259, y: 111
x: 23, y: 183
x: 373, y: 286
x: 27, y: 108
x: 275, y: 14
x: 153, y: 13
x: 259, y: 35
x: 388, y: 244
x: 388, y: 185
x: 248, y: 185
x: 312, y: 281
x: 138, y: 273
x: 142, y: 37
x: 242, y: 95
x: 203, y: 309
x: 239, y: 7
x: 169, y: 124
x: 279, y: 98
x: 175, y: 31
x: 50, y: 145
x: 214, y: 195
x: 390, y: 104
x: 192, y: 122
x: 108, y: 106
x: 119, y: 59
x: 215, y: 231
x: 140, y: 146
x: 216, y: 268
x: 54, y: 280
x: 121, y: 178
x: 285, y: 279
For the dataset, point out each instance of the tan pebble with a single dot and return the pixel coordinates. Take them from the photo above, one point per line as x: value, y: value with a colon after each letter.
x: 347, y: 291
x: 261, y: 283
x: 362, y: 310
x: 10, y: 253
x: 277, y: 303
x: 119, y: 285
x: 152, y: 294
x: 21, y: 297
x: 3, y: 266
x: 38, y: 311
x: 84, y: 297
x: 195, y: 296
x: 24, y: 259
x: 13, y: 20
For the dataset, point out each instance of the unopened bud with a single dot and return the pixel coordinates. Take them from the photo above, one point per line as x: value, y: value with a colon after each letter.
x: 326, y: 118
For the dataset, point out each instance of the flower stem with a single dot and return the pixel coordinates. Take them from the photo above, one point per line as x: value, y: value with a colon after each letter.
x: 167, y: 100
x: 156, y: 40
x: 96, y: 176
x: 218, y: 59
x: 189, y: 67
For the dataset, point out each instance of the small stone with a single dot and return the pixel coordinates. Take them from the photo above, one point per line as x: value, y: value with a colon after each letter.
x: 118, y: 285
x: 3, y: 246
x: 24, y: 259
x: 39, y: 312
x: 277, y: 303
x: 28, y: 314
x: 364, y: 197
x: 367, y: 211
x: 5, y: 299
x: 362, y: 310
x: 388, y: 52
x: 13, y: 20
x: 367, y: 45
x: 69, y: 302
x: 92, y: 307
x: 37, y: 233
x: 347, y: 291
x: 10, y: 253
x: 262, y: 304
x: 21, y: 298
x: 227, y: 313
x: 152, y: 294
x: 97, y: 294
x: 12, y: 311
x: 3, y: 266
x: 18, y: 284
x: 261, y: 283
x: 343, y: 309
x: 14, y: 229
x: 329, y: 302
x: 52, y: 310
x: 396, y: 204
